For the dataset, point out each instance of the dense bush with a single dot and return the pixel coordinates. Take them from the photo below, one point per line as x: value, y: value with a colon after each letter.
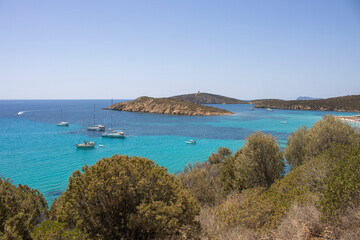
x: 126, y: 197
x: 21, y: 209
x: 203, y: 182
x: 55, y: 230
x: 327, y: 132
x: 342, y: 189
x: 220, y: 156
x: 295, y: 149
x: 258, y: 163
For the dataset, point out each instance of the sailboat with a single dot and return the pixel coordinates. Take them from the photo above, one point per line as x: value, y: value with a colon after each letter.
x: 112, y: 133
x: 96, y: 127
x: 85, y: 144
x: 61, y: 123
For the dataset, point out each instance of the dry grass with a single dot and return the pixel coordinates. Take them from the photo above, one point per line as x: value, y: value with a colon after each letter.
x: 301, y: 222
x: 214, y: 228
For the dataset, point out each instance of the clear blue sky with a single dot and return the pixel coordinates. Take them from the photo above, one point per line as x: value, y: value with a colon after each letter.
x: 125, y: 49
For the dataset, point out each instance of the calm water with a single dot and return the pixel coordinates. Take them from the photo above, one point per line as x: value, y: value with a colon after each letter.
x: 36, y: 152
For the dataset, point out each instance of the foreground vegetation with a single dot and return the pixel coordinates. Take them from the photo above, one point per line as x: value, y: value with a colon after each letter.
x: 240, y: 195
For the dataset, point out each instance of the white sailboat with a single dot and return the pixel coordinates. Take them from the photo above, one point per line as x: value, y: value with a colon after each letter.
x: 85, y: 144
x: 96, y: 127
x: 112, y: 133
x: 61, y: 123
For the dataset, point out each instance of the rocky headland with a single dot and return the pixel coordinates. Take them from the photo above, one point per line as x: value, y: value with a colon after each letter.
x: 170, y: 106
x: 349, y: 103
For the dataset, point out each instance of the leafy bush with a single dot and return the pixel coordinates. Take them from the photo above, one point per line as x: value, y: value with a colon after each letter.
x: 126, y: 197
x: 342, y: 189
x: 21, y: 209
x: 295, y: 149
x: 327, y: 132
x: 219, y: 157
x: 258, y: 163
x: 55, y: 230
x: 203, y: 182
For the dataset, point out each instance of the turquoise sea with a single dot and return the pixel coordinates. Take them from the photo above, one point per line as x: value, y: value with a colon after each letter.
x: 37, y: 152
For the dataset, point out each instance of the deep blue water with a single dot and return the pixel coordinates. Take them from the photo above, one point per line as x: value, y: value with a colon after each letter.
x: 36, y: 152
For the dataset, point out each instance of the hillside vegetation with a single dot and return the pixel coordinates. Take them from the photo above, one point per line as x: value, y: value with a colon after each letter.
x: 168, y: 106
x: 207, y: 98
x: 347, y: 103
x: 234, y: 195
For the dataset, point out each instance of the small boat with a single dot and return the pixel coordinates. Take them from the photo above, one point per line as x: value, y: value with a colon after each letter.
x: 96, y: 127
x: 269, y: 109
x: 191, y: 141
x: 86, y: 144
x: 284, y: 122
x: 251, y: 109
x: 100, y: 145
x: 19, y: 113
x: 114, y: 134
x: 62, y: 123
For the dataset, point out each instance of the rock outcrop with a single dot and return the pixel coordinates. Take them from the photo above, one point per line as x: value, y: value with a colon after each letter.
x: 168, y: 106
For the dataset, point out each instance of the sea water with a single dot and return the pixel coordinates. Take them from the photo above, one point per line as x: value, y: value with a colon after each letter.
x: 36, y: 152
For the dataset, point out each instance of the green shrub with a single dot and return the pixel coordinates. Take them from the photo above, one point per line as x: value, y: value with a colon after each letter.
x: 126, y: 197
x: 55, y: 230
x: 219, y: 157
x: 21, y: 209
x: 295, y: 150
x: 203, y: 182
x: 328, y: 132
x: 342, y: 187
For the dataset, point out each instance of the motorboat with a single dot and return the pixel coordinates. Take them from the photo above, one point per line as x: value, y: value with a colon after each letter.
x: 251, y: 109
x: 191, y: 141
x: 284, y: 122
x: 269, y: 109
x: 86, y: 144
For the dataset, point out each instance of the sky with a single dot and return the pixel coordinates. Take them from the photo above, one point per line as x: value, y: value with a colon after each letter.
x: 90, y: 49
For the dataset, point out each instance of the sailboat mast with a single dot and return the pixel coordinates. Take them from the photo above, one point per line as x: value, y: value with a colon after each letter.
x: 61, y: 115
x: 94, y: 114
x: 112, y: 102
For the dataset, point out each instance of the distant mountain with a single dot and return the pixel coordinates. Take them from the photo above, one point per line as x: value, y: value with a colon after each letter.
x: 171, y: 106
x: 207, y: 98
x: 349, y: 103
x: 307, y: 98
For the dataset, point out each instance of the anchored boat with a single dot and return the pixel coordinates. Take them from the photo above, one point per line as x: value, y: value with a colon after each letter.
x: 96, y: 127
x: 112, y: 133
x: 61, y: 123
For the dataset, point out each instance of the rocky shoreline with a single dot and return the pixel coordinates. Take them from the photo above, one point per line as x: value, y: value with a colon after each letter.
x: 169, y: 106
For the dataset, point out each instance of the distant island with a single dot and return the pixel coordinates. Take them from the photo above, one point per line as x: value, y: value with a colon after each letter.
x: 207, y: 98
x: 170, y: 106
x: 307, y: 98
x: 349, y: 103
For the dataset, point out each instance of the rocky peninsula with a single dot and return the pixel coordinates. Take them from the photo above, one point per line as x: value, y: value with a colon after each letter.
x: 349, y: 103
x: 207, y: 98
x: 170, y: 106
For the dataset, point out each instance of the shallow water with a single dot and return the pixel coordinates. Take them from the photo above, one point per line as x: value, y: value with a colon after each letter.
x: 37, y: 152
